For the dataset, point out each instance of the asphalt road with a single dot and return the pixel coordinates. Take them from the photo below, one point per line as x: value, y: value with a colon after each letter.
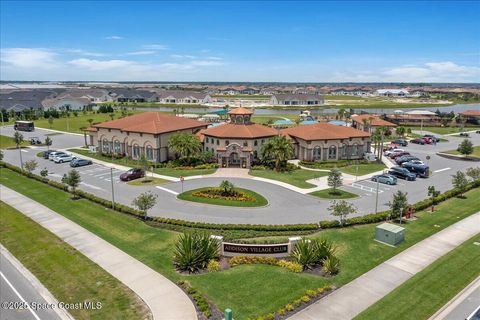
x: 15, y: 288
x: 466, y: 307
x: 285, y: 206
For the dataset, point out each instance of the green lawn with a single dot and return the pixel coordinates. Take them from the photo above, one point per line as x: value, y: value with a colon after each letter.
x: 66, y: 273
x: 431, y: 288
x: 363, y: 168
x: 8, y: 142
x: 259, y: 200
x: 476, y: 151
x: 134, y: 163
x: 296, y: 177
x: 328, y: 194
x: 250, y: 290
x: 148, y: 181
x: 445, y: 130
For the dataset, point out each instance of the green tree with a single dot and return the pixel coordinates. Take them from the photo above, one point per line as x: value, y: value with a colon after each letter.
x: 341, y: 113
x: 341, y: 209
x: 18, y: 139
x: 50, y: 121
x: 90, y: 121
x: 44, y: 172
x: 465, y: 147
x: 433, y: 194
x: 48, y: 142
x: 30, y: 166
x: 228, y: 188
x: 144, y: 202
x: 460, y: 182
x: 144, y: 164
x: 335, y: 180
x: 72, y: 179
x: 400, y: 131
x: 279, y: 149
x: 398, y: 204
x: 473, y: 173
x: 112, y: 116
x: 186, y: 145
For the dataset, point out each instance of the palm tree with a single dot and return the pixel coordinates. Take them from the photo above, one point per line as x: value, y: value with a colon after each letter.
x: 185, y: 144
x: 341, y: 113
x: 279, y: 149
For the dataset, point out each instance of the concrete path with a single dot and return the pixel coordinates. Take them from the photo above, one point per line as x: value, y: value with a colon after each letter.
x: 356, y: 296
x: 165, y: 300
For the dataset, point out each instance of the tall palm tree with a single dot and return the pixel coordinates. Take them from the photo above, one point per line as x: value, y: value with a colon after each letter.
x: 279, y: 149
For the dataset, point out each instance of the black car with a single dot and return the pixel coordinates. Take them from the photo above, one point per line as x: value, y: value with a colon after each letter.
x: 77, y: 162
x: 132, y: 174
x: 404, y: 159
x: 464, y: 134
x: 419, y: 170
x: 401, y: 142
x: 432, y: 137
x: 402, y: 173
x: 47, y: 153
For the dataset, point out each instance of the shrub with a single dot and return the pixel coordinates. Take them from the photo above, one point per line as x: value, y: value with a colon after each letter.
x: 331, y: 265
x: 289, y: 307
x: 290, y: 265
x: 305, y: 299
x: 193, y: 251
x: 310, y: 253
x: 213, y: 266
x: 200, y: 300
x: 311, y: 293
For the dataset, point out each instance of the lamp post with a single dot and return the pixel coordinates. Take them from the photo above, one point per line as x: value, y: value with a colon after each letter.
x: 113, y: 193
x: 401, y: 214
x: 376, y: 197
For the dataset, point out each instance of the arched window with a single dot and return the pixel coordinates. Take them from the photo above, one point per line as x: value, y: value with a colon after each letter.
x: 149, y: 153
x: 116, y: 147
x: 317, y: 153
x: 136, y: 151
x: 255, y: 154
x: 105, y: 146
x: 344, y: 150
x: 355, y: 150
x: 239, y: 119
x: 332, y: 153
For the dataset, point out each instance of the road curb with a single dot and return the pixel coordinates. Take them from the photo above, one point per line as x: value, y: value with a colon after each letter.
x: 44, y: 292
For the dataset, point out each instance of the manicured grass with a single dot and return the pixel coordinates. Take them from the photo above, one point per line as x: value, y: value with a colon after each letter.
x: 335, y: 97
x: 476, y: 151
x: 68, y: 274
x: 328, y: 194
x: 296, y: 177
x: 8, y: 142
x: 431, y: 288
x: 258, y: 201
x: 363, y: 168
x: 134, y: 163
x: 250, y: 290
x: 147, y: 181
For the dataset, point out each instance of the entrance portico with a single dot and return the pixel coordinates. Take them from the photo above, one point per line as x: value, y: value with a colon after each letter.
x: 234, y: 156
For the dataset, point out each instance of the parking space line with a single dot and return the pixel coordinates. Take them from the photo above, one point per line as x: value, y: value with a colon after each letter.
x: 440, y: 170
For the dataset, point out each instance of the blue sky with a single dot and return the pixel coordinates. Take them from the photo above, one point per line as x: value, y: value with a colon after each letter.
x: 241, y: 41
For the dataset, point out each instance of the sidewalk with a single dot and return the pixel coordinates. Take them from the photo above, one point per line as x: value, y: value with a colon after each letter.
x: 165, y: 300
x: 356, y: 296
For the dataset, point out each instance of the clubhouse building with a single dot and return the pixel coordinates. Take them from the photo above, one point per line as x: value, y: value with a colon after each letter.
x: 236, y: 143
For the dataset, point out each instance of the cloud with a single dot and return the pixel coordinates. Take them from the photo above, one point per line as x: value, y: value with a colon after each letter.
x: 39, y: 58
x: 445, y: 71
x: 114, y: 38
x: 86, y: 53
x: 141, y: 53
x: 155, y: 47
x: 101, y: 65
x: 206, y: 63
x: 182, y: 56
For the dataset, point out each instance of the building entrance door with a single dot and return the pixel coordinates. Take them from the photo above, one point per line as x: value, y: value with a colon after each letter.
x: 233, y: 160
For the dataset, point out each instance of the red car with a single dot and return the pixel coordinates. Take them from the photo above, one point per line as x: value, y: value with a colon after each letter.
x: 132, y: 174
x: 399, y: 154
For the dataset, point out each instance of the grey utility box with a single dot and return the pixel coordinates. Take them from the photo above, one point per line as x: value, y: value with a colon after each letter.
x: 390, y: 234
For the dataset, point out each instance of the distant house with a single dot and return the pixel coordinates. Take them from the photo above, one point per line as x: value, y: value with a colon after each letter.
x: 19, y: 100
x: 132, y: 95
x: 184, y: 97
x: 296, y: 99
x: 471, y: 116
x: 66, y: 103
x: 370, y: 122
x: 249, y: 90
x: 392, y: 93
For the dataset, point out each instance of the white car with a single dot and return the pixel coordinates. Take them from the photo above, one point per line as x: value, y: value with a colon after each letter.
x: 52, y: 155
x: 416, y: 162
x: 63, y: 158
x: 389, y: 152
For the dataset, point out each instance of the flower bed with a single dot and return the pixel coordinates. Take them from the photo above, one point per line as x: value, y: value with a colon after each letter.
x: 217, y: 196
x: 217, y: 193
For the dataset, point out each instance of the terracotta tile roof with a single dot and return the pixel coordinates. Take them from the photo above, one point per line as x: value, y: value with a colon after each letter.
x: 151, y: 122
x: 248, y: 131
x: 240, y: 110
x: 200, y: 135
x: 471, y: 113
x: 374, y: 120
x: 323, y: 131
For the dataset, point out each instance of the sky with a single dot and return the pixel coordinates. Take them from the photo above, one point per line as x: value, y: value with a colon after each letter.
x: 271, y: 41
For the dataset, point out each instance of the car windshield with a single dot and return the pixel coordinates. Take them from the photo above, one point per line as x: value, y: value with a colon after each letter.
x: 131, y: 171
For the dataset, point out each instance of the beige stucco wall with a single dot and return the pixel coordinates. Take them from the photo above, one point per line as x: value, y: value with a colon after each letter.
x: 304, y: 149
x: 212, y: 145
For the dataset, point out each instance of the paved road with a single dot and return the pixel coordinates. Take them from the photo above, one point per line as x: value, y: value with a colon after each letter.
x: 16, y: 288
x: 285, y: 206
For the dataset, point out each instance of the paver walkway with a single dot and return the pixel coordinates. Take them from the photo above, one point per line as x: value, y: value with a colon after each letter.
x: 164, y: 298
x: 356, y: 296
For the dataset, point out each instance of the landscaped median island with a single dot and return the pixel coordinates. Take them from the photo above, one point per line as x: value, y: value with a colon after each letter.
x: 67, y: 274
x: 9, y: 143
x: 331, y: 194
x: 147, y: 181
x: 225, y: 195
x: 431, y: 288
x: 250, y: 290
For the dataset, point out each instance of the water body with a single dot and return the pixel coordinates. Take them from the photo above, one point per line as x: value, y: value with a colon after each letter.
x: 455, y: 108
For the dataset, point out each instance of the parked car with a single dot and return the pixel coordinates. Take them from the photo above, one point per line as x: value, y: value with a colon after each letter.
x: 385, y: 178
x: 402, y: 159
x: 399, y: 154
x: 401, y: 142
x: 420, y: 170
x: 464, y: 134
x: 427, y: 140
x: 402, y: 173
x: 63, y: 158
x: 432, y: 137
x: 35, y: 140
x: 47, y: 153
x: 478, y: 131
x: 78, y: 162
x: 418, y: 141
x: 54, y: 154
x: 389, y: 152
x: 369, y: 156
x: 132, y: 174
x: 416, y: 161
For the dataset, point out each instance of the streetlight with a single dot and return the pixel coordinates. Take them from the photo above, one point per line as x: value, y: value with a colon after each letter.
x: 376, y: 197
x: 113, y: 193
